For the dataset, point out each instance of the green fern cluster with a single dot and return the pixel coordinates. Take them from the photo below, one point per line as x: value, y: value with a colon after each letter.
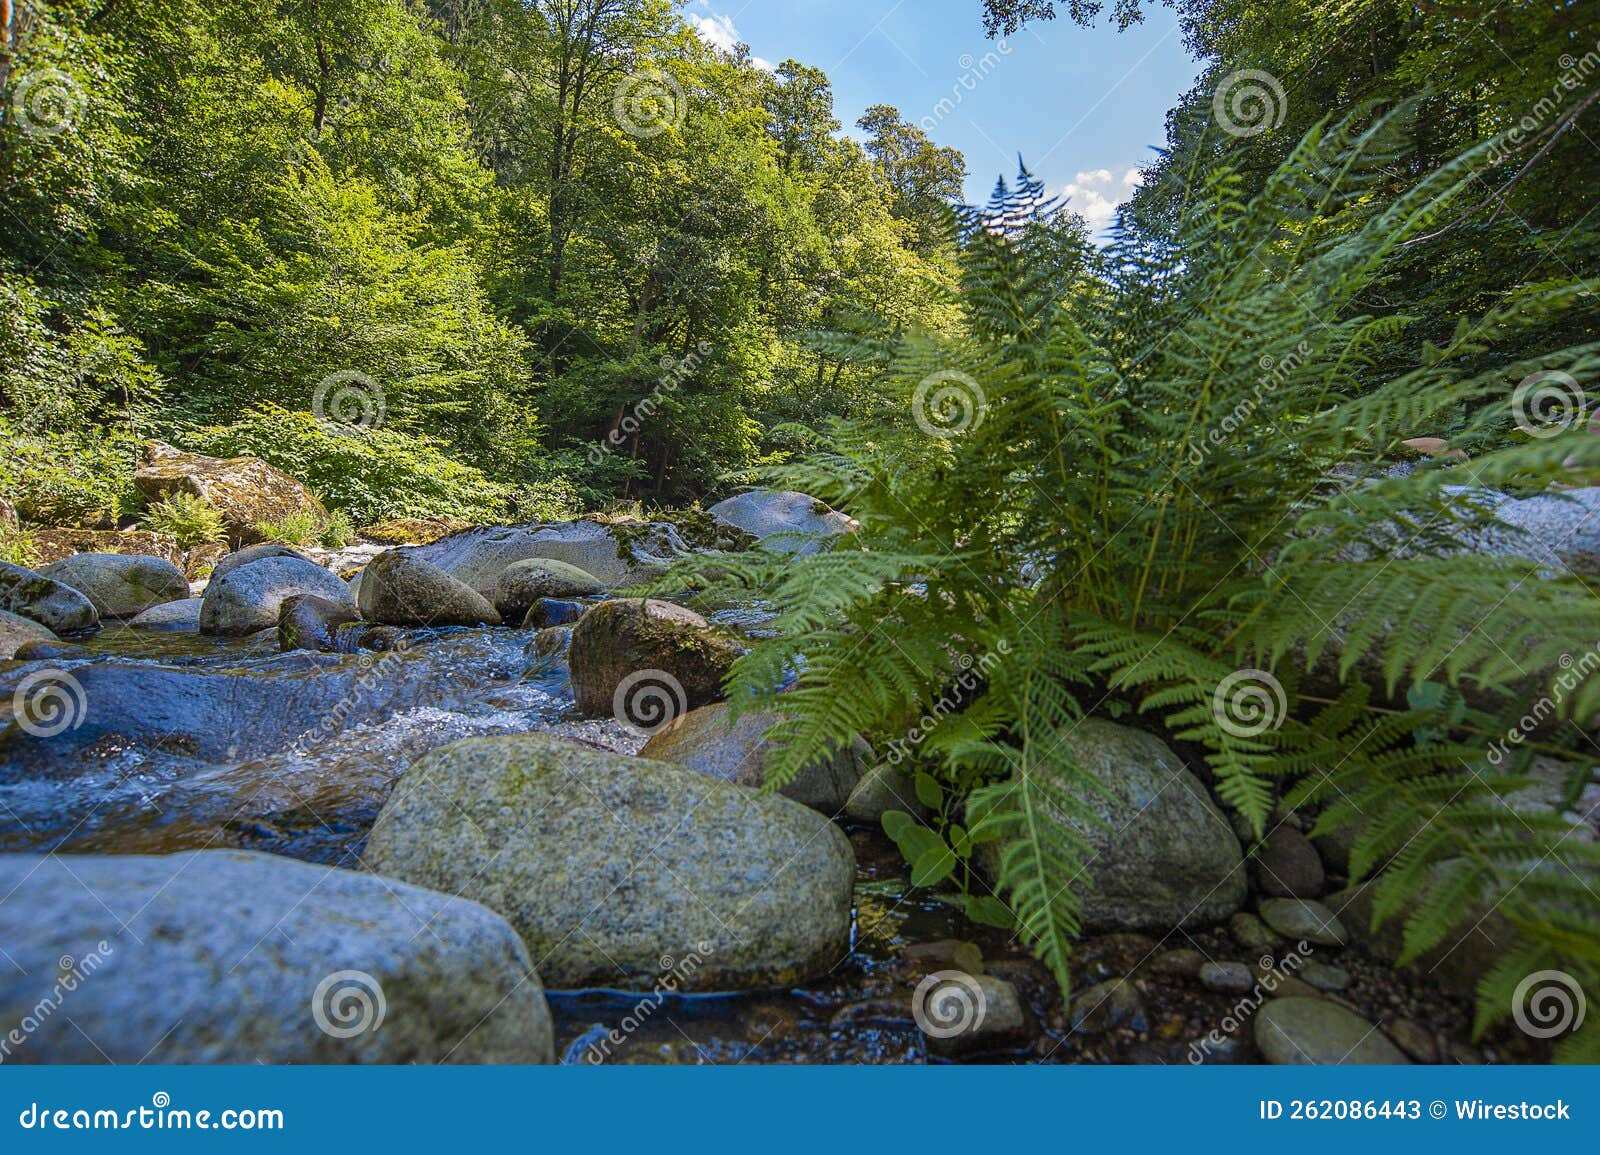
x: 1148, y: 468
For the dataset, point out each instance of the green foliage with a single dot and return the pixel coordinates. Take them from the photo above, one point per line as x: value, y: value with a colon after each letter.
x: 188, y: 517
x: 1154, y: 470
x: 337, y: 532
x: 373, y: 474
x: 76, y: 479
x: 302, y: 527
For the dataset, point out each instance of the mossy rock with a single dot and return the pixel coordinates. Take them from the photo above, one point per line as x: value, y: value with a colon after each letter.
x: 619, y: 638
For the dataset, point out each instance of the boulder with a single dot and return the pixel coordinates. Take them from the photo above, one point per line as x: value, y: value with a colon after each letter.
x: 310, y: 622
x: 1319, y: 1032
x: 521, y: 585
x: 56, y: 544
x: 881, y: 789
x: 252, y: 553
x: 615, y: 868
x: 170, y: 616
x: 248, y: 598
x: 121, y: 585
x: 708, y: 740
x: 245, y: 490
x: 552, y: 640
x: 58, y: 607
x: 1288, y: 866
x: 800, y: 523
x: 18, y: 631
x: 1165, y: 857
x: 616, y: 555
x: 231, y: 957
x: 620, y: 639
x: 547, y: 612
x: 401, y: 589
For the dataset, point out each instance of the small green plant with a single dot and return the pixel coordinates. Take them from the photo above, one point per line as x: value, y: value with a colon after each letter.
x: 338, y: 532
x: 300, y: 528
x: 189, y: 518
x: 17, y: 547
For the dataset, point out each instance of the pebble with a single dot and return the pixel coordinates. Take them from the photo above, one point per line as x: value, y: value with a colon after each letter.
x: 1183, y: 963
x: 1300, y: 918
x: 1325, y: 977
x: 1288, y: 987
x: 1109, y: 1005
x: 1251, y: 933
x: 1415, y: 1040
x: 1316, y: 1032
x: 1229, y: 978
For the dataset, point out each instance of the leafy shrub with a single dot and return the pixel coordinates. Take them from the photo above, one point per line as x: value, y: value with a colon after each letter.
x: 371, y: 474
x: 299, y: 528
x: 83, y: 479
x: 1155, y: 472
x: 338, y: 532
x: 188, y: 517
x: 17, y: 547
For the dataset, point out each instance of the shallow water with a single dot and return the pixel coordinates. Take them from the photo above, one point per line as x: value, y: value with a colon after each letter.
x: 184, y: 742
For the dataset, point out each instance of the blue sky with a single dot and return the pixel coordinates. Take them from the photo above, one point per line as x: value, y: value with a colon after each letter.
x: 1082, y: 106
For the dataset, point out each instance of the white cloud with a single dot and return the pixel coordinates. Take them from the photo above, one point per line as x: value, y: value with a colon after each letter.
x: 719, y: 32
x: 1098, y: 205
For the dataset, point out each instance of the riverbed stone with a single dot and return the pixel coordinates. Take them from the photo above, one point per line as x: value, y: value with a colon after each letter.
x: 522, y: 585
x: 616, y: 555
x: 883, y: 788
x: 17, y: 631
x: 56, y: 606
x: 783, y: 520
x: 247, y: 599
x: 401, y: 589
x: 1229, y: 978
x: 1299, y: 918
x: 310, y: 622
x: 1318, y: 1032
x: 711, y: 741
x: 170, y: 616
x: 619, y: 639
x: 1288, y: 866
x: 246, y: 491
x: 1165, y: 856
x: 234, y: 957
x: 1251, y: 933
x: 547, y: 612
x: 607, y: 863
x: 987, y: 1008
x: 255, y: 553
x: 121, y: 585
x: 1326, y: 978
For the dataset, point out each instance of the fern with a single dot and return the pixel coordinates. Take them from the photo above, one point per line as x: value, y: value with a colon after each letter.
x: 1170, y: 465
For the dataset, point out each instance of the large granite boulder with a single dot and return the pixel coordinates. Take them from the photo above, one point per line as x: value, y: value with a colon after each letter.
x: 399, y: 588
x: 621, y: 650
x: 616, y: 555
x: 799, y: 523
x: 523, y: 584
x: 615, y: 869
x: 121, y: 585
x: 16, y: 631
x: 56, y: 606
x: 249, y: 598
x: 1165, y: 857
x: 252, y: 553
x: 232, y: 957
x: 710, y: 741
x: 245, y: 490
